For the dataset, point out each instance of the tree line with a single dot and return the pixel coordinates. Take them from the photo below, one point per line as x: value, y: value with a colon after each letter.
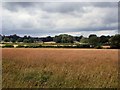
x: 92, y: 39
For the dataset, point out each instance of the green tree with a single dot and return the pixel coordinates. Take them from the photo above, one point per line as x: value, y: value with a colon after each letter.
x: 19, y: 40
x: 115, y: 41
x: 30, y: 40
x: 84, y: 40
x: 12, y: 40
x: 93, y: 40
x: 63, y: 38
x: 57, y: 39
x: 0, y: 38
x: 103, y: 39
x: 26, y: 41
x: 6, y: 39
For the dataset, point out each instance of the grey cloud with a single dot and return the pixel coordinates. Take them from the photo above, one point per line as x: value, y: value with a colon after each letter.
x: 105, y: 4
x: 48, y: 7
x: 62, y: 7
x: 13, y: 6
x: 44, y: 16
x: 57, y: 6
x: 60, y: 30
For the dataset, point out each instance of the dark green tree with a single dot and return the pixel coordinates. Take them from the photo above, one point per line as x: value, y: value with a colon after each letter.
x: 115, y: 41
x: 57, y: 39
x: 103, y: 39
x: 0, y: 38
x: 64, y: 38
x: 84, y: 40
x: 12, y: 40
x: 93, y: 40
x: 26, y: 41
x: 30, y: 40
x: 6, y: 39
x: 19, y: 40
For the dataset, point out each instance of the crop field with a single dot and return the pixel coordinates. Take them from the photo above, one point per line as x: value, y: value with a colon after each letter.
x: 59, y: 68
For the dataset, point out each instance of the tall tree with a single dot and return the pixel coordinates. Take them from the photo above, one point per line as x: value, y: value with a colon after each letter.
x: 93, y: 40
x: 63, y: 38
x: 84, y: 40
x: 6, y: 39
x: 115, y: 41
x: 103, y: 39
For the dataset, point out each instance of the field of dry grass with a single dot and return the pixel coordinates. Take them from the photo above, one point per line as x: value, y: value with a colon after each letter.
x: 48, y: 68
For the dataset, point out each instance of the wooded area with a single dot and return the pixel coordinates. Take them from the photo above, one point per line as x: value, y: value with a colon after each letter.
x: 93, y: 40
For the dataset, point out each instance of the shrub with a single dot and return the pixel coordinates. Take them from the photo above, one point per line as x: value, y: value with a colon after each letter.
x: 33, y: 46
x: 20, y: 46
x: 8, y: 46
x: 98, y: 47
x: 27, y: 46
x: 83, y: 46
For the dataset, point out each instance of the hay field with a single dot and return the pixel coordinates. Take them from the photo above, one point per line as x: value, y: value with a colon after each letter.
x: 59, y: 68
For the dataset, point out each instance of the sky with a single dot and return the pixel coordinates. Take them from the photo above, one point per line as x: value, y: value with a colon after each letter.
x: 54, y: 18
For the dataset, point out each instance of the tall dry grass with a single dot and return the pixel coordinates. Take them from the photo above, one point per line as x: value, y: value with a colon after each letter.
x: 48, y: 68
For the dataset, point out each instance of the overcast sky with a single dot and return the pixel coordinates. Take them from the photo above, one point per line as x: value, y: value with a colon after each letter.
x: 74, y: 18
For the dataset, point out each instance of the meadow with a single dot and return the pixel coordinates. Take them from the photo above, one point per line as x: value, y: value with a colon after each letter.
x: 59, y: 68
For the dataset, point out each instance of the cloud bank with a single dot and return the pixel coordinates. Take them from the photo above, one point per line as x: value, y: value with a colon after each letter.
x: 75, y: 18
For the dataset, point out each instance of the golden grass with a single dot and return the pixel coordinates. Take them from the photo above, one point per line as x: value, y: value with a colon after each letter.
x: 48, y: 68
